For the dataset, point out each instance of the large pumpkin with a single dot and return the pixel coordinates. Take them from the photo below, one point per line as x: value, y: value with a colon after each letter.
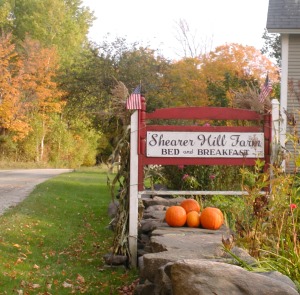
x: 193, y: 219
x: 190, y: 205
x: 175, y: 216
x: 211, y: 218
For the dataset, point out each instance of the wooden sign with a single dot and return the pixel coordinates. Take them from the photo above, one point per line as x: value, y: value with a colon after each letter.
x: 205, y: 144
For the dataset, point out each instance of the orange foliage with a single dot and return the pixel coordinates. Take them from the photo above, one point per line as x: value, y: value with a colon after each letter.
x: 239, y: 60
x: 185, y: 84
x: 186, y: 81
x: 12, y: 112
x: 26, y: 85
x: 40, y: 89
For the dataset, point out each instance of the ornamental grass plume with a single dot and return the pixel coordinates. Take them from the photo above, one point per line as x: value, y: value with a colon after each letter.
x: 249, y: 99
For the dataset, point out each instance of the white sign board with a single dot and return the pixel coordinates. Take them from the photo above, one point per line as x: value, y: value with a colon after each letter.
x: 205, y: 144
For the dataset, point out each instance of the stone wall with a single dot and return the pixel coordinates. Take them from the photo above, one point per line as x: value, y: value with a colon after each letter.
x: 183, y: 261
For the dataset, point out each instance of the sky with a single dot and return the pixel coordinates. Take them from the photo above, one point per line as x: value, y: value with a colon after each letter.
x: 155, y: 23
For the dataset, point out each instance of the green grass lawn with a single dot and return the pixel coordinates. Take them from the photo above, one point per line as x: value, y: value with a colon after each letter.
x: 54, y: 241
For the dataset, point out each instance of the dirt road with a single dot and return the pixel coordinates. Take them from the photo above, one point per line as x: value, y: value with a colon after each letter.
x: 16, y: 185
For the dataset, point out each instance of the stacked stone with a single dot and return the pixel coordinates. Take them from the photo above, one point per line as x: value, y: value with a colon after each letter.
x: 183, y: 261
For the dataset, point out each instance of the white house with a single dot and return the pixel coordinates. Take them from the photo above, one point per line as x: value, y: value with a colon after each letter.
x: 284, y: 18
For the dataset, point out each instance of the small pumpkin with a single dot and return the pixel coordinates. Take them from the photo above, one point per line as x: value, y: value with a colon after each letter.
x: 211, y: 218
x: 193, y: 219
x: 190, y: 205
x: 175, y: 216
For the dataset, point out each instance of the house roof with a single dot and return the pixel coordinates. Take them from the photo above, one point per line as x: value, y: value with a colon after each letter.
x: 283, y: 16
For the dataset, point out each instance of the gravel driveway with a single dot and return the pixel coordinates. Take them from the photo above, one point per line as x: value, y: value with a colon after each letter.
x: 16, y: 185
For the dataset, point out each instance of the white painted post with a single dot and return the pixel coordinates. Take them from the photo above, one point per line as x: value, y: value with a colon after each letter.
x: 133, y: 190
x: 284, y: 89
x: 275, y: 140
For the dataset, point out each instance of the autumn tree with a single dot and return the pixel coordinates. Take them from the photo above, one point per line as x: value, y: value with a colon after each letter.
x: 29, y: 95
x: 39, y: 90
x: 235, y: 66
x: 49, y: 35
x: 12, y: 108
x: 60, y: 23
x: 183, y: 84
x: 210, y: 78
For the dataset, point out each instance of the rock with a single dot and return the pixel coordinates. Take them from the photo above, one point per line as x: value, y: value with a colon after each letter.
x: 154, y: 261
x: 204, y: 277
x: 209, y: 242
x: 143, y: 242
x: 161, y: 201
x: 163, y: 284
x: 113, y: 209
x: 156, y: 208
x: 160, y: 215
x: 280, y: 277
x: 143, y: 239
x: 241, y: 254
x: 149, y: 225
x: 141, y: 252
x: 145, y: 288
x: 115, y: 260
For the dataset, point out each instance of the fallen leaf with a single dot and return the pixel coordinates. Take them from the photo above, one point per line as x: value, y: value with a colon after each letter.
x: 52, y: 253
x: 17, y: 246
x: 19, y: 260
x: 80, y: 279
x: 36, y: 266
x: 67, y: 285
x: 35, y: 286
x: 23, y: 284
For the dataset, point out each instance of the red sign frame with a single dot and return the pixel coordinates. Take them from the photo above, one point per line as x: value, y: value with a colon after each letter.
x: 199, y: 113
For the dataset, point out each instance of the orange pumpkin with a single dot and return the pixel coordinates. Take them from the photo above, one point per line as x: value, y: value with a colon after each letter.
x: 175, y: 216
x: 193, y: 219
x: 190, y: 205
x: 211, y: 218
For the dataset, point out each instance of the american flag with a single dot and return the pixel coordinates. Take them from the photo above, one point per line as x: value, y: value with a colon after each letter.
x: 265, y: 90
x: 134, y: 100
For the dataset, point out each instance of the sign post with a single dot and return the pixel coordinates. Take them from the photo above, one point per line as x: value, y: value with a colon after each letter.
x: 133, y: 190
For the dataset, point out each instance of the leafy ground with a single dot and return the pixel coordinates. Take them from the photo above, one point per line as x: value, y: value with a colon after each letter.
x: 54, y: 241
